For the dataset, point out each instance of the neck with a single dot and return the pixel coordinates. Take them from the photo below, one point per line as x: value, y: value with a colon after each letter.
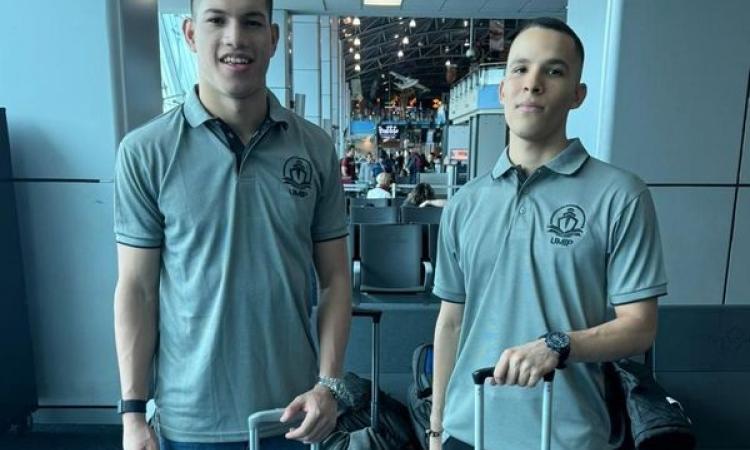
x: 531, y: 155
x: 244, y: 115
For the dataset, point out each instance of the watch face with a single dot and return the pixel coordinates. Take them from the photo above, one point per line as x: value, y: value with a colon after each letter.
x: 558, y: 340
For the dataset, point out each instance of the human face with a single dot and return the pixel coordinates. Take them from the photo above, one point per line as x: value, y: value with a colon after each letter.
x: 541, y: 85
x: 234, y: 42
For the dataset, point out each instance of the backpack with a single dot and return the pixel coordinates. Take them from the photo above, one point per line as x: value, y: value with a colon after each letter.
x: 420, y: 392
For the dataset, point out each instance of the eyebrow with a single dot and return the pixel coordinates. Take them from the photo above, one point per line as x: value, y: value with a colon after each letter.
x: 549, y: 62
x: 222, y: 12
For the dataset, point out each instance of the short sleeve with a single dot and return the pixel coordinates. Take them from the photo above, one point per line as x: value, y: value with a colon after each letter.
x: 449, y: 277
x: 635, y: 265
x: 330, y: 219
x: 138, y: 221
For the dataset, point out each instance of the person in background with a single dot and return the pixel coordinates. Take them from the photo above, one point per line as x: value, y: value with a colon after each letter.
x: 418, y: 196
x: 366, y: 167
x: 348, y: 167
x: 383, y: 189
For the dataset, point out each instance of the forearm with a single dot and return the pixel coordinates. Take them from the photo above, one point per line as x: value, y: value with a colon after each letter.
x: 135, y: 338
x: 334, y: 320
x: 444, y: 359
x: 625, y: 336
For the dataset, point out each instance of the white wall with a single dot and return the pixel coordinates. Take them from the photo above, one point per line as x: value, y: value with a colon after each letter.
x: 75, y: 77
x: 306, y: 63
x: 671, y: 81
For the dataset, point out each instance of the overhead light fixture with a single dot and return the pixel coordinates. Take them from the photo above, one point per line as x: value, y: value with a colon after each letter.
x: 466, y: 23
x: 357, y: 57
x: 351, y: 50
x: 382, y: 2
x: 382, y: 75
x: 357, y: 42
x: 447, y: 49
x: 420, y: 43
x: 400, y: 53
x: 405, y: 40
x: 396, y: 36
x: 466, y: 43
x: 412, y: 23
x: 357, y: 68
x: 357, y: 22
x: 448, y: 62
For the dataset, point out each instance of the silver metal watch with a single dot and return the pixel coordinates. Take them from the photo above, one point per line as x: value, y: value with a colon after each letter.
x: 337, y: 388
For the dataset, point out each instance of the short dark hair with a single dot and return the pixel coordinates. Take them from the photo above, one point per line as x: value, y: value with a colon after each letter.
x: 550, y: 23
x: 269, y: 3
x: 421, y: 193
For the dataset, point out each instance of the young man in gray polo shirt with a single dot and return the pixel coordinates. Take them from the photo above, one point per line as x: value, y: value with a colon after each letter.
x: 539, y: 247
x: 223, y: 206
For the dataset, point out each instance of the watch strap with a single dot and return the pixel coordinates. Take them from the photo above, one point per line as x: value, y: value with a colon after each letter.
x: 131, y: 406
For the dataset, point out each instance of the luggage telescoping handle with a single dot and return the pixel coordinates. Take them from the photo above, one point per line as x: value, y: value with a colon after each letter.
x: 479, y: 377
x: 375, y: 315
x: 261, y: 417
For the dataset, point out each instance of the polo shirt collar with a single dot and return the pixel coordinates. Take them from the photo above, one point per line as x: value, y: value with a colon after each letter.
x: 567, y: 162
x: 196, y: 114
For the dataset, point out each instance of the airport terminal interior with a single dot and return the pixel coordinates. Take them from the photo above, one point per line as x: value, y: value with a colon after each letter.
x: 407, y: 93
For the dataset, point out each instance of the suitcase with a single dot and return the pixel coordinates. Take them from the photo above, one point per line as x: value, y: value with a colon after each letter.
x: 479, y: 377
x: 274, y: 415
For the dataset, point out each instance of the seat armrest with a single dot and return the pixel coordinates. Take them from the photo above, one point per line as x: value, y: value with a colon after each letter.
x: 356, y: 274
x: 428, y: 275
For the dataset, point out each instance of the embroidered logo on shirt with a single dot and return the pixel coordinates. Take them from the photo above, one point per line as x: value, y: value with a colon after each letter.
x: 298, y: 175
x: 566, y: 224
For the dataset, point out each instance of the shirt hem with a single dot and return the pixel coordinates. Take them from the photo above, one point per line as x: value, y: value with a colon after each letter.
x: 448, y: 296
x: 639, y: 295
x: 138, y: 243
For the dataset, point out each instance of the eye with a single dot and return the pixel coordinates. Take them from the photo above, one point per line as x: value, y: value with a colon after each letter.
x: 555, y: 72
x: 253, y: 23
x: 518, y: 69
x: 215, y: 20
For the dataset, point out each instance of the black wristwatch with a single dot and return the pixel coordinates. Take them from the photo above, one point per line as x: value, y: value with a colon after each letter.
x: 131, y: 406
x: 559, y: 342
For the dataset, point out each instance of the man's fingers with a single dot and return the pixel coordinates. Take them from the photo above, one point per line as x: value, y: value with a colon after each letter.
x: 293, y: 409
x: 501, y: 369
x: 305, y: 427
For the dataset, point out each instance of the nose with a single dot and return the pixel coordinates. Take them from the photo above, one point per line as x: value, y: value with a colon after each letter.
x: 233, y: 34
x: 533, y: 81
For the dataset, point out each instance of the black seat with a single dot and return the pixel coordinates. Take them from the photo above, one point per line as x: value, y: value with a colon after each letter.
x: 369, y: 214
x: 390, y: 260
x: 361, y: 201
x: 415, y: 214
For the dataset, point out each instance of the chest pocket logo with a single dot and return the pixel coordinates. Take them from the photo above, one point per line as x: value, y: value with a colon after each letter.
x: 566, y: 225
x: 298, y: 176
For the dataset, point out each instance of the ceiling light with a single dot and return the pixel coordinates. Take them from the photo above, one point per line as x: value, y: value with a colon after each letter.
x: 396, y: 36
x: 412, y: 23
x: 357, y: 57
x: 405, y: 40
x: 448, y: 62
x: 357, y: 42
x: 382, y: 2
x: 351, y: 50
x: 400, y: 53
x: 447, y: 49
x: 420, y: 43
x: 382, y: 75
x: 466, y: 43
x: 357, y: 68
x: 356, y: 22
x: 466, y: 23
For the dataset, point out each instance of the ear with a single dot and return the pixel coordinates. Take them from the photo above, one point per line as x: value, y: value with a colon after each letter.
x: 501, y: 91
x: 188, y: 32
x: 579, y: 95
x: 274, y: 38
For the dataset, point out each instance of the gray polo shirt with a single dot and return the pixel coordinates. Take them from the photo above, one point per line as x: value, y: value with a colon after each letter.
x: 236, y: 260
x: 527, y: 256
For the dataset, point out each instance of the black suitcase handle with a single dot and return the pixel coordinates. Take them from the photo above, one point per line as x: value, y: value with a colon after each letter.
x: 482, y: 374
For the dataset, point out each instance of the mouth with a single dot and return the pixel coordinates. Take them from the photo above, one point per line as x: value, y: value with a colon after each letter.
x: 530, y: 107
x: 236, y: 61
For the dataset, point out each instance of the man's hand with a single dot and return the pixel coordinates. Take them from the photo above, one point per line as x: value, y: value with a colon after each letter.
x: 319, y: 407
x: 137, y: 434
x: 525, y: 365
